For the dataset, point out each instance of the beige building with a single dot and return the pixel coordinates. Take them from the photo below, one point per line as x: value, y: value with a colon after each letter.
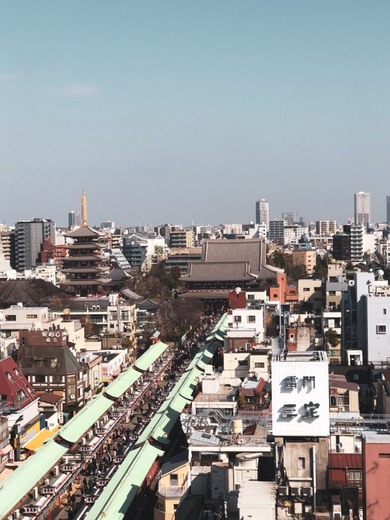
x: 344, y: 395
x: 310, y: 291
x: 305, y: 258
x: 172, y: 486
x: 181, y: 238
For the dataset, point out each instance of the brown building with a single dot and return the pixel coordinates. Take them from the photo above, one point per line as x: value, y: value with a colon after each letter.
x: 50, y: 366
x: 52, y: 252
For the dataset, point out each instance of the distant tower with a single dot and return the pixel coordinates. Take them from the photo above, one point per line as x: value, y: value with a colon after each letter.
x: 363, y: 208
x: 262, y: 212
x: 388, y: 209
x: 71, y: 219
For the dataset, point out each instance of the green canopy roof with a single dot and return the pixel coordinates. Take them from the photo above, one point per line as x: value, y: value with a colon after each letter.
x: 26, y: 476
x: 122, y: 383
x: 124, y: 485
x: 150, y: 356
x: 84, y: 419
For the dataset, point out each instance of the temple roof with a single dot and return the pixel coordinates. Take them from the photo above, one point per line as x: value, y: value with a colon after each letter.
x: 210, y: 271
x: 85, y: 258
x: 83, y: 232
x: 84, y: 245
x: 232, y: 260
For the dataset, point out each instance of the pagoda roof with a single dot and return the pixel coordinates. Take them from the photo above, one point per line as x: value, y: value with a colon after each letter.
x: 83, y: 232
x: 75, y: 282
x: 84, y: 245
x: 78, y: 258
x: 91, y: 269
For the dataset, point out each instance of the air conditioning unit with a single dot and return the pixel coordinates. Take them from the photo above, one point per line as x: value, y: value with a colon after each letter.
x: 35, y: 493
x: 282, y: 490
x: 306, y: 492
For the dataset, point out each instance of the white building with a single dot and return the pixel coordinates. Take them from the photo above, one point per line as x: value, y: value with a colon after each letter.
x: 300, y: 394
x: 262, y: 212
x: 362, y: 208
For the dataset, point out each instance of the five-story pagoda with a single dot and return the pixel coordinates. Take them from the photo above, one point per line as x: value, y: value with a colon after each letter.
x: 84, y: 264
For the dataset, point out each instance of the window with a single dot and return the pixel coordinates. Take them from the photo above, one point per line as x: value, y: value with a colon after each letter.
x: 31, y: 316
x: 10, y: 376
x: 250, y: 297
x: 58, y: 378
x: 40, y: 378
x: 251, y: 319
x: 381, y: 329
x: 384, y: 311
x: 354, y: 474
x: 10, y: 317
x: 174, y: 479
x: 301, y: 462
x: 259, y: 365
x: 243, y: 363
x: 237, y: 319
x: 384, y: 455
x: 306, y: 289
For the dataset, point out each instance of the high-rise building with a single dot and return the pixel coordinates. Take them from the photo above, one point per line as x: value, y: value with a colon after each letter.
x: 290, y: 217
x: 362, y: 208
x: 326, y: 227
x: 276, y: 231
x: 29, y: 238
x: 73, y: 219
x: 262, y: 212
x: 388, y: 209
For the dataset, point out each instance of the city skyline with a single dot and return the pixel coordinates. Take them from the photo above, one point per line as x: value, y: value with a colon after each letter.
x: 159, y: 109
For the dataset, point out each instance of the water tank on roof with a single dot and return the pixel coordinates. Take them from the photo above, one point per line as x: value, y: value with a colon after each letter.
x: 237, y: 426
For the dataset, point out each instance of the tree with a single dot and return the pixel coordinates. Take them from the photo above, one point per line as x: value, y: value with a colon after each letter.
x: 175, y: 317
x: 332, y: 338
x: 321, y: 268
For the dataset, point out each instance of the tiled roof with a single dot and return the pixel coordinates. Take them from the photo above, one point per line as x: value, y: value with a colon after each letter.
x: 232, y: 260
x: 65, y: 362
x: 210, y: 271
x: 14, y: 385
x: 82, y: 232
x: 337, y: 381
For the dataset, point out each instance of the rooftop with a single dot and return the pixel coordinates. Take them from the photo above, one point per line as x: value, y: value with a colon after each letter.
x: 294, y: 356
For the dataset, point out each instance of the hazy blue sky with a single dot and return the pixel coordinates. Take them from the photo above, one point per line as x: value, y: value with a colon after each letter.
x: 190, y: 111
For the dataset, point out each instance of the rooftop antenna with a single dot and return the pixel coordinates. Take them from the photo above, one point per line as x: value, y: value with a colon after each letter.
x: 84, y: 209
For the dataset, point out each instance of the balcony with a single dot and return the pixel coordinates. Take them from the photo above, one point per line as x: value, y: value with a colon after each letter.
x: 172, y: 491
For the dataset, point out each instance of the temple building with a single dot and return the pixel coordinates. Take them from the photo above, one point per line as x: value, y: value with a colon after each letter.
x: 84, y: 264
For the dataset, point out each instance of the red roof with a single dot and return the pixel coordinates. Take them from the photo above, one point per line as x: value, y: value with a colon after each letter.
x: 15, y: 390
x: 345, y: 460
x: 252, y: 390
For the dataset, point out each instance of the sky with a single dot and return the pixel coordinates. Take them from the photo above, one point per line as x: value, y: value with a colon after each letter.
x: 190, y: 111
